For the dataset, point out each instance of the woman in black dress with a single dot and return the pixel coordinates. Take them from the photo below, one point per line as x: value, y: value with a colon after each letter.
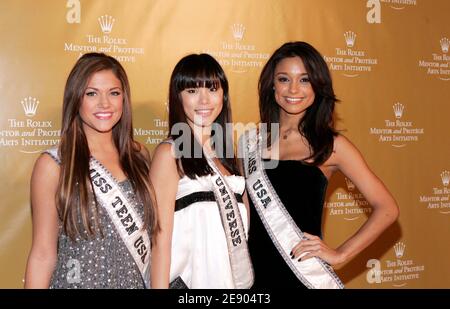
x: 295, y: 90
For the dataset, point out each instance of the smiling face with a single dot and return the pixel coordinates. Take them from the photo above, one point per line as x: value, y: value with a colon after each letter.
x: 292, y: 86
x: 102, y: 102
x: 202, y: 105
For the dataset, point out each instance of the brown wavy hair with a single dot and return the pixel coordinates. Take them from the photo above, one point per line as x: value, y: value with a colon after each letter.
x: 77, y: 205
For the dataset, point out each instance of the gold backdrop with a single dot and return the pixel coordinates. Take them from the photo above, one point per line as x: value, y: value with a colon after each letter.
x: 390, y: 64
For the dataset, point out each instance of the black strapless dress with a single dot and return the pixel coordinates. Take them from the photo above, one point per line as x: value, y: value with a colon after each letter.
x: 302, y: 189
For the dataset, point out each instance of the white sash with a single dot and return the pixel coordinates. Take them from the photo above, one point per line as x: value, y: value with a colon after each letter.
x: 122, y: 213
x: 314, y: 272
x: 241, y: 265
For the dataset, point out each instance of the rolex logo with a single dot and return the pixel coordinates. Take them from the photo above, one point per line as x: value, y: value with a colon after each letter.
x: 399, y: 249
x: 398, y: 110
x: 238, y: 31
x: 444, y: 44
x: 445, y: 176
x: 106, y: 23
x: 30, y: 106
x: 350, y: 184
x: 350, y: 38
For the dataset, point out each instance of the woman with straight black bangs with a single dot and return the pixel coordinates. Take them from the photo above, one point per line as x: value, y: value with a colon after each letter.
x: 285, y: 241
x: 199, y: 192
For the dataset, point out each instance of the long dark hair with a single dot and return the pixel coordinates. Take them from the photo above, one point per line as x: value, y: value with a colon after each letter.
x: 317, y: 125
x: 75, y: 190
x: 195, y: 71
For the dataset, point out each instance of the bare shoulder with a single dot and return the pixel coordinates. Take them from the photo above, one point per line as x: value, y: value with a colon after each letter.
x: 45, y: 177
x: 164, y: 157
x: 343, y: 149
x: 343, y: 146
x: 46, y: 167
x: 164, y: 173
x: 164, y: 150
x: 345, y: 153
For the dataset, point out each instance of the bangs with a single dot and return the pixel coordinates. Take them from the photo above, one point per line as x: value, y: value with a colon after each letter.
x: 198, y: 71
x: 199, y: 81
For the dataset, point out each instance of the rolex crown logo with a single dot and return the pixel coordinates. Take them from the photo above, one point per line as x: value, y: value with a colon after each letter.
x: 445, y: 176
x: 106, y: 23
x: 399, y: 249
x: 238, y: 31
x: 30, y: 106
x: 350, y: 38
x: 398, y: 110
x: 350, y: 184
x: 444, y: 44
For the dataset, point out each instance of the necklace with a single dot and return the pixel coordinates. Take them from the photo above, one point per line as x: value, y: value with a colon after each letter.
x: 287, y: 133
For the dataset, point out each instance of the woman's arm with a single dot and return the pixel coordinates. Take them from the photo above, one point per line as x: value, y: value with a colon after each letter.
x: 385, y: 210
x: 42, y: 257
x: 164, y: 177
x: 350, y: 162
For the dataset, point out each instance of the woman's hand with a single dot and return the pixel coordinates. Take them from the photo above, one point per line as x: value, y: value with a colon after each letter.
x: 313, y: 246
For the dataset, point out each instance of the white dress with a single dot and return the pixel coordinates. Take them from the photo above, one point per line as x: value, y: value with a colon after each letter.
x: 199, y: 247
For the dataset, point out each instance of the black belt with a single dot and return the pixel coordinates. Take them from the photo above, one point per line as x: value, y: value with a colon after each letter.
x: 204, y: 196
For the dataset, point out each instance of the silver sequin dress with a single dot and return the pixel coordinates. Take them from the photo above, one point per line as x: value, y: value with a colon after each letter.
x: 97, y: 262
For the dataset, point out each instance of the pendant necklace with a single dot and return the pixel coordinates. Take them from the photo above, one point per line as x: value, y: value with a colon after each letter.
x: 286, y: 133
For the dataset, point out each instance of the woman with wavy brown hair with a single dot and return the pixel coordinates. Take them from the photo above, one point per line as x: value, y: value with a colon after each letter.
x: 92, y: 201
